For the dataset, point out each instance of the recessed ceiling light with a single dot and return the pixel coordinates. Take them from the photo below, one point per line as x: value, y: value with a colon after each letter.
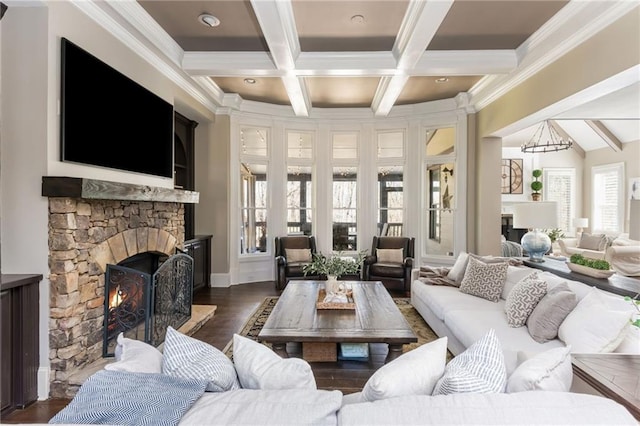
x: 442, y: 80
x: 208, y: 20
x: 357, y: 19
x: 250, y: 80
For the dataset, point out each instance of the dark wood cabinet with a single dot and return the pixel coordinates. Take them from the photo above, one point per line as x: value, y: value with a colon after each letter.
x: 19, y: 339
x: 184, y: 166
x: 200, y: 249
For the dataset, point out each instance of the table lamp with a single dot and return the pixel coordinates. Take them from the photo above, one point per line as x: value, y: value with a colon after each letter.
x: 580, y: 223
x: 536, y: 216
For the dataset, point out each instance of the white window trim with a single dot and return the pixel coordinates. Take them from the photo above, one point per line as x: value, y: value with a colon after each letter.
x: 619, y: 169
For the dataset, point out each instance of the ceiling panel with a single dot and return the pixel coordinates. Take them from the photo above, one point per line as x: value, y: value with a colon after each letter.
x: 497, y: 24
x: 425, y: 89
x: 327, y: 25
x: 346, y: 92
x: 265, y: 89
x: 238, y: 30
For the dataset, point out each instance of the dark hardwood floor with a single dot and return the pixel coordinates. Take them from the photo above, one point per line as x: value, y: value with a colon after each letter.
x: 234, y: 305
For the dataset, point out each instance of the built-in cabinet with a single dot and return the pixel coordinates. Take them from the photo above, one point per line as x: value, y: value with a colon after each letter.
x: 183, y: 166
x: 19, y: 297
x: 199, y: 248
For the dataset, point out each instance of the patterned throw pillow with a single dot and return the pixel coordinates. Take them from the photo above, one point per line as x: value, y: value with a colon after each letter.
x: 190, y: 358
x: 523, y: 299
x: 479, y: 369
x: 484, y: 279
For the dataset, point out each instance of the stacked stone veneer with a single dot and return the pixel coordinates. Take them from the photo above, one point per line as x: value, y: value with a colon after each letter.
x: 84, y: 237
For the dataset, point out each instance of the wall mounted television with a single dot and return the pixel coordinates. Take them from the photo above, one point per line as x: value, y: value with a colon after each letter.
x: 109, y: 120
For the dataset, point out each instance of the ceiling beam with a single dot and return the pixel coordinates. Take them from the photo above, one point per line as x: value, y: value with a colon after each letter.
x: 419, y: 25
x: 279, y: 28
x: 606, y: 135
x: 564, y: 135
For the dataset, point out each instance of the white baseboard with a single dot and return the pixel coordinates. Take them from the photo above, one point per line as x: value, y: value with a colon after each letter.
x: 44, y: 374
x: 220, y: 280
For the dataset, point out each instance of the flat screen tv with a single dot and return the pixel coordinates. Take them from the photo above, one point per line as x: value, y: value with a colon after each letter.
x: 109, y: 120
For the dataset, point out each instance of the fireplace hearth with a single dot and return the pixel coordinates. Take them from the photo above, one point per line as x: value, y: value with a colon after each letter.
x: 143, y: 301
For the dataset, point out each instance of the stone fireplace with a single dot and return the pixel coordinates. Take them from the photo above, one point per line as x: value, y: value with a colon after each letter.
x: 86, y: 234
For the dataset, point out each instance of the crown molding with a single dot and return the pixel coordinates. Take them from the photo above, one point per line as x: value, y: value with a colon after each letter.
x: 95, y: 11
x: 572, y: 25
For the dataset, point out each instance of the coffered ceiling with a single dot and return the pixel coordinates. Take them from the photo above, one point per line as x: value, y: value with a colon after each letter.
x: 307, y: 56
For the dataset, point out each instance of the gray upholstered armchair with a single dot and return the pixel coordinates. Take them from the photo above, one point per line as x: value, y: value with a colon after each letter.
x: 292, y: 254
x: 391, y: 261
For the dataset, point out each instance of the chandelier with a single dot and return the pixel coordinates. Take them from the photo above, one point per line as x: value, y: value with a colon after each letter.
x: 546, y: 139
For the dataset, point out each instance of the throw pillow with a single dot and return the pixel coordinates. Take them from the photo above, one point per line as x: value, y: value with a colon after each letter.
x: 514, y: 275
x: 479, y: 369
x: 484, y: 279
x: 258, y: 367
x: 298, y: 255
x: 390, y: 255
x: 190, y: 358
x: 553, y: 308
x: 135, y: 356
x: 412, y: 373
x: 547, y: 371
x: 523, y: 299
x: 598, y: 324
x: 457, y: 271
x: 591, y: 241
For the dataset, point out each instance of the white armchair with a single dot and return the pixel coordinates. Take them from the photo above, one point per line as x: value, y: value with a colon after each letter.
x: 569, y: 246
x: 624, y: 256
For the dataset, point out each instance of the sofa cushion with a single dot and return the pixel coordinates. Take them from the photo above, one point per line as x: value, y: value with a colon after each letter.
x: 272, y: 407
x: 598, y: 324
x: 548, y: 371
x: 523, y: 299
x: 553, y: 308
x: 258, y: 367
x: 514, y: 275
x: 412, y: 373
x: 468, y: 326
x: 190, y: 358
x: 479, y: 369
x: 135, y: 356
x: 484, y: 279
x: 441, y: 299
x: 456, y: 273
x: 541, y: 408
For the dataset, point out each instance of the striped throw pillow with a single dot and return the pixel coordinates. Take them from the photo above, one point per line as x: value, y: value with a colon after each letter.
x: 479, y: 369
x: 189, y: 358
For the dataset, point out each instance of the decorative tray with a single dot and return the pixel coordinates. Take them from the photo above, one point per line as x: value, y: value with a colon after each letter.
x: 321, y: 304
x: 585, y: 270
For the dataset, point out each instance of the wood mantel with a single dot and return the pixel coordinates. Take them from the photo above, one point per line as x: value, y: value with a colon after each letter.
x: 55, y: 186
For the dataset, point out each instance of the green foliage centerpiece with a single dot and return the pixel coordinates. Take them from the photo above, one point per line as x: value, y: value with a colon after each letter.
x: 334, y: 266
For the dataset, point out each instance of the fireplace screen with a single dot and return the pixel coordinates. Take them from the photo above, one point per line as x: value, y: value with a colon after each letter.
x: 142, y: 306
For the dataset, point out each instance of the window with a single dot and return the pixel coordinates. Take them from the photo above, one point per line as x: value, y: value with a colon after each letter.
x: 253, y: 190
x: 559, y: 186
x: 390, y: 190
x: 440, y: 191
x: 345, y: 191
x: 607, y: 198
x: 299, y: 183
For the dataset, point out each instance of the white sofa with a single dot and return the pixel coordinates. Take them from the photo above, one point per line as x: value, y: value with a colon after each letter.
x: 464, y: 318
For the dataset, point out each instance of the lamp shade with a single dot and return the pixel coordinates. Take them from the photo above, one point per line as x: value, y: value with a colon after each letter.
x: 634, y: 220
x: 536, y: 215
x: 580, y: 222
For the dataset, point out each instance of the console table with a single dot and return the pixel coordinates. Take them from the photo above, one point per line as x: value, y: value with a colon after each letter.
x: 615, y: 376
x: 618, y: 284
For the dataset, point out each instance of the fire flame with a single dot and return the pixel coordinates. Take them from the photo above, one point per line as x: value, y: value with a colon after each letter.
x: 117, y: 298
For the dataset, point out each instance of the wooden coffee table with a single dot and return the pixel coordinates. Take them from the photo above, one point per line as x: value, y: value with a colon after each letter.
x: 376, y: 319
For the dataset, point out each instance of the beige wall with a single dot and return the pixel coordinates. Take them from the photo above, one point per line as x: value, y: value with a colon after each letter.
x: 630, y: 156
x: 610, y: 52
